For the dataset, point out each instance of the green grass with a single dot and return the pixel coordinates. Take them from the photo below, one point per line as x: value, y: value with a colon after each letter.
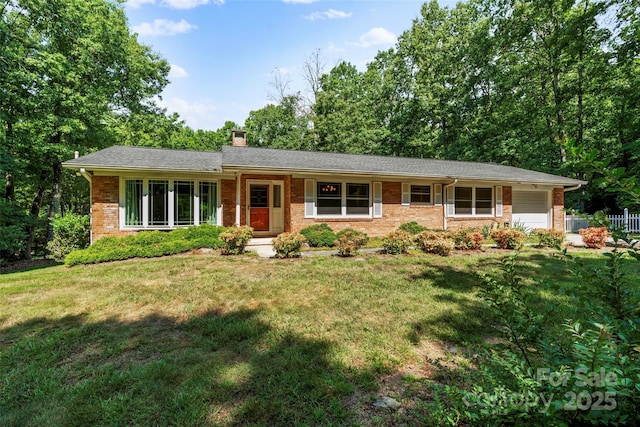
x: 210, y: 340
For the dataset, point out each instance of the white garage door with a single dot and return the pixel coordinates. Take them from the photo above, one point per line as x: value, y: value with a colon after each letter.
x: 531, y: 208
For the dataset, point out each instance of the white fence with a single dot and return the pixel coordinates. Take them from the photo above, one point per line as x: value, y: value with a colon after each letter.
x: 630, y: 222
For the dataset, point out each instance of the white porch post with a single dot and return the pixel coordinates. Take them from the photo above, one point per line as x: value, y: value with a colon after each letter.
x: 238, y: 180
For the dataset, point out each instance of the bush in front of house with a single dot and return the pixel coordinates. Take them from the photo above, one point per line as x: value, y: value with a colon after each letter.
x: 508, y: 238
x: 467, y: 239
x: 147, y: 244
x: 235, y: 239
x: 397, y: 242
x: 594, y: 237
x: 412, y: 228
x: 287, y: 245
x: 432, y: 242
x: 319, y: 235
x: 70, y: 233
x: 549, y: 238
x: 350, y: 241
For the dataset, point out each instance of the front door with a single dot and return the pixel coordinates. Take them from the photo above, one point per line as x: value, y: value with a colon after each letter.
x: 259, y: 207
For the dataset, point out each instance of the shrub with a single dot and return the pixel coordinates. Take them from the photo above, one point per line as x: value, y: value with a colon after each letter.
x: 318, y: 235
x: 594, y: 237
x: 434, y: 243
x: 397, y: 242
x: 147, y: 244
x: 13, y: 226
x: 287, y: 245
x: 349, y: 241
x: 235, y: 239
x: 508, y: 238
x: 412, y: 228
x: 70, y: 233
x: 549, y: 238
x: 468, y: 239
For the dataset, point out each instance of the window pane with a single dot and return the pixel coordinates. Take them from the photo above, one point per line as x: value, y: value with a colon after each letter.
x: 133, y: 202
x: 158, y: 206
x: 484, y: 201
x: 463, y: 200
x: 329, y: 198
x: 421, y: 194
x: 357, y: 199
x: 208, y: 203
x: 277, y: 196
x: 183, y: 206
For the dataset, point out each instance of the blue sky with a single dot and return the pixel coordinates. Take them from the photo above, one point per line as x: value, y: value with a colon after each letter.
x: 224, y: 53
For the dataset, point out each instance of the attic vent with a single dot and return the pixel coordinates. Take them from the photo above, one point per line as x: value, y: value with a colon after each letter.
x: 238, y: 138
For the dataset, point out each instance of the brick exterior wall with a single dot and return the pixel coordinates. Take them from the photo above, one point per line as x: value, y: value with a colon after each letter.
x: 228, y: 201
x: 105, y: 203
x: 558, y: 209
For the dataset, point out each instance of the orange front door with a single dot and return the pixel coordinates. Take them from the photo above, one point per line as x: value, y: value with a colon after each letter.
x: 259, y: 207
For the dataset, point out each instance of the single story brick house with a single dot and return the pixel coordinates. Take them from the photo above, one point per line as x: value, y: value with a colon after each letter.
x: 139, y: 188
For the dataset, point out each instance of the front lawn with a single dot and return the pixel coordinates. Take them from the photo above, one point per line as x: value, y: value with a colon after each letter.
x: 209, y: 340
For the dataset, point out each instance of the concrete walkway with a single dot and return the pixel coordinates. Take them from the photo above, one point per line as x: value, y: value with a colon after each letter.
x: 574, y: 239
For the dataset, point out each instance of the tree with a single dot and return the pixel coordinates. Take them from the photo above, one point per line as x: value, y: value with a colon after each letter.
x: 67, y: 65
x: 279, y: 126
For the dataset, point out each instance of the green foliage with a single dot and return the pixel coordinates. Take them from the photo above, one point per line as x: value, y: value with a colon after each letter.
x: 235, y: 239
x: 70, y: 233
x: 432, y: 242
x: 467, y: 239
x: 13, y: 224
x: 350, y: 241
x: 508, y: 238
x: 147, y: 244
x: 319, y: 235
x: 594, y: 237
x: 412, y: 228
x: 549, y: 238
x: 397, y: 242
x: 287, y: 245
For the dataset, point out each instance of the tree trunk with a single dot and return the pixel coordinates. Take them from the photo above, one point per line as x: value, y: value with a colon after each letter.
x: 9, y: 188
x: 56, y: 196
x: 34, y: 213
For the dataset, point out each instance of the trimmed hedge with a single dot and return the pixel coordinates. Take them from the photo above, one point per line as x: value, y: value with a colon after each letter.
x: 148, y: 244
x: 412, y: 228
x: 319, y: 235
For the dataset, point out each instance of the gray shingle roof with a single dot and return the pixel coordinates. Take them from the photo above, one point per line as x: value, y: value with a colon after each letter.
x: 118, y: 157
x: 308, y: 161
x: 143, y: 158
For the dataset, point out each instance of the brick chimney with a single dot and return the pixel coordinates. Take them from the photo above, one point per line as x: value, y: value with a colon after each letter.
x: 239, y: 138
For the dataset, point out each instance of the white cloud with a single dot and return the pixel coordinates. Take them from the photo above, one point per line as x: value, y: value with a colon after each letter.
x: 333, y: 48
x: 299, y: 1
x: 136, y: 4
x: 188, y: 4
x: 376, y: 36
x: 163, y: 27
x: 177, y: 72
x: 198, y: 115
x: 328, y: 14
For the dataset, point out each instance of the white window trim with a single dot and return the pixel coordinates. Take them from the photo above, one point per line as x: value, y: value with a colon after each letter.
x: 343, y: 202
x: 170, y: 202
x: 473, y: 213
x: 431, y: 195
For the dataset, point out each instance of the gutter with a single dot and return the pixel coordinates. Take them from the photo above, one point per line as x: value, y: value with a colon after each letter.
x: 444, y: 200
x: 575, y: 187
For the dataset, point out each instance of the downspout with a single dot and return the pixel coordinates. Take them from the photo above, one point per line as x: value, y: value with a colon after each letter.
x: 444, y: 199
x: 238, y: 180
x: 86, y: 175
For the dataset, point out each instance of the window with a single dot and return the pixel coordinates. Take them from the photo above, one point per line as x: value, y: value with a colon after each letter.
x: 473, y: 201
x: 339, y: 199
x: 357, y: 199
x: 277, y: 196
x: 208, y: 203
x: 183, y: 205
x: 158, y: 203
x: 329, y: 198
x: 133, y: 202
x: 420, y: 194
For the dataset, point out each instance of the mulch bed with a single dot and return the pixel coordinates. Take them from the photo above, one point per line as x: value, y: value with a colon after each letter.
x: 27, y: 264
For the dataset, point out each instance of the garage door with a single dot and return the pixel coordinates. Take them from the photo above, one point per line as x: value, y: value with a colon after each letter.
x: 531, y: 208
